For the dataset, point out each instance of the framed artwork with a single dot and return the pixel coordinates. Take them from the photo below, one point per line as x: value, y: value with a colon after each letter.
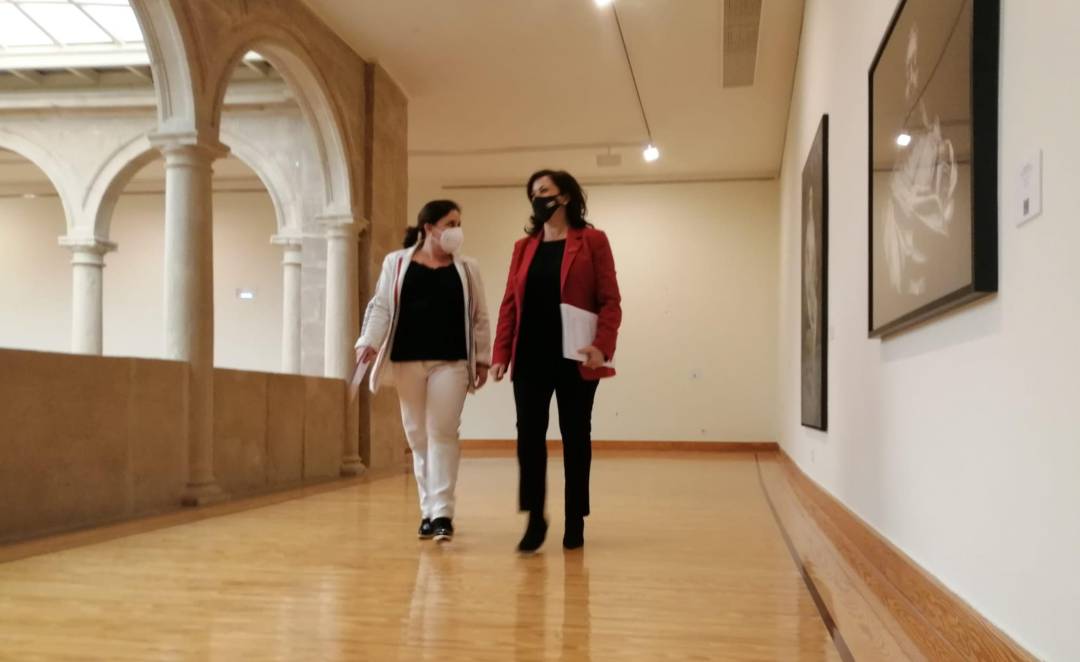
x: 815, y: 281
x: 933, y: 162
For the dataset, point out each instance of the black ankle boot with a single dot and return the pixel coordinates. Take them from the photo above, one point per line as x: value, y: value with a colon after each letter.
x: 574, y: 537
x: 534, y: 534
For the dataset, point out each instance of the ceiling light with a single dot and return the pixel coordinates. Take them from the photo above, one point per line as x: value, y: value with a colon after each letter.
x: 603, y: 3
x: 29, y: 196
x: 651, y: 153
x: 245, y: 294
x: 903, y: 140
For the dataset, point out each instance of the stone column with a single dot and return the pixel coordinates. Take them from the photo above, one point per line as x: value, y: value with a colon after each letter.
x: 341, y: 295
x: 343, y: 322
x: 290, y: 317
x: 87, y: 264
x: 189, y: 295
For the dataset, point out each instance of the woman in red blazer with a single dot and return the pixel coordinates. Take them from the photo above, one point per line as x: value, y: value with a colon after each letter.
x: 562, y: 260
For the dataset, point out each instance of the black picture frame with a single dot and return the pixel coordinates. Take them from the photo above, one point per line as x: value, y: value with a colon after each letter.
x: 981, y: 139
x: 815, y: 282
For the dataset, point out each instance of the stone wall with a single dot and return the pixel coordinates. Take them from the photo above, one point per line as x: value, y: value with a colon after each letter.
x: 87, y: 440
x: 382, y: 443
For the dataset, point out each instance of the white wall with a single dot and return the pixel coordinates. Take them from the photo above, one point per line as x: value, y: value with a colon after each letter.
x: 696, y: 265
x: 958, y: 440
x: 35, y: 293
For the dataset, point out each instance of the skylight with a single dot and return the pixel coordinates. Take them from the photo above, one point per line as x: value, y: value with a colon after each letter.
x: 58, y: 34
x: 67, y: 23
x: 66, y: 35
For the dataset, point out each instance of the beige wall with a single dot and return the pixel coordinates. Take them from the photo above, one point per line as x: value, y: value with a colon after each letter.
x: 35, y: 298
x: 957, y: 440
x: 696, y: 265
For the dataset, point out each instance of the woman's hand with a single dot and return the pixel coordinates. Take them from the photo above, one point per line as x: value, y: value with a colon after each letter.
x: 498, y: 371
x: 594, y: 358
x: 365, y: 354
x: 481, y: 377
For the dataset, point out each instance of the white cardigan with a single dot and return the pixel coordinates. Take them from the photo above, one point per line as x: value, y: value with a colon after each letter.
x: 381, y: 318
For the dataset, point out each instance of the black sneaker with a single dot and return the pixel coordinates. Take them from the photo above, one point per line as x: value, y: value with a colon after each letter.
x: 426, y: 529
x: 574, y: 538
x: 444, y: 529
x: 534, y: 535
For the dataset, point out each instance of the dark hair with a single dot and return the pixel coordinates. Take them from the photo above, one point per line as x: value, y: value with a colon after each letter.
x: 430, y: 214
x: 576, y: 209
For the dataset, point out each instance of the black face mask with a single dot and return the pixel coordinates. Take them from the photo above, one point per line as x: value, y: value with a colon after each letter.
x: 545, y: 208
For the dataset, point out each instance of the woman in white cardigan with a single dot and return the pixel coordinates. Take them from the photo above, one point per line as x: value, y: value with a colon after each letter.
x: 428, y: 322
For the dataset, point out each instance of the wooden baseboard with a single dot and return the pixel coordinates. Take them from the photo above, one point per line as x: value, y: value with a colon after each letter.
x: 858, y: 570
x: 555, y: 446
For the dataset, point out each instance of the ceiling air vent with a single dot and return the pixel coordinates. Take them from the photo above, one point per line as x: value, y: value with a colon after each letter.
x: 742, y: 23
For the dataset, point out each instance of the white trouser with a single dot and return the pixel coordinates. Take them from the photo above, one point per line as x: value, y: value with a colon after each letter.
x: 432, y: 395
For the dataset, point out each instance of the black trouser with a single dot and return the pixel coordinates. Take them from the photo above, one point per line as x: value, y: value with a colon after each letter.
x: 574, y: 395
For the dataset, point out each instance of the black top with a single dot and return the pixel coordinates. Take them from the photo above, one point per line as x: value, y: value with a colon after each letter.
x: 539, y: 349
x: 431, y: 316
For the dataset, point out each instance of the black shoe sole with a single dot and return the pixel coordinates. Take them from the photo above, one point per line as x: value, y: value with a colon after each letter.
x: 425, y: 536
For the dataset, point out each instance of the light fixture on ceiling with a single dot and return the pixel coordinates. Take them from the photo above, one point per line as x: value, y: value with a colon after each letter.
x: 603, y: 3
x: 651, y: 153
x: 245, y: 294
x: 904, y: 139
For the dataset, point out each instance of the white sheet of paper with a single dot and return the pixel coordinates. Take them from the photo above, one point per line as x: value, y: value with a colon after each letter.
x: 357, y: 378
x: 578, y: 332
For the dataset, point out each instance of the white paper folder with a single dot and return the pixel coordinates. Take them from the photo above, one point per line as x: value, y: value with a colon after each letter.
x: 356, y: 379
x: 578, y: 332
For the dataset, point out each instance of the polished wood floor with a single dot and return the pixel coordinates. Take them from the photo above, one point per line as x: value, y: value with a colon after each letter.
x: 683, y: 561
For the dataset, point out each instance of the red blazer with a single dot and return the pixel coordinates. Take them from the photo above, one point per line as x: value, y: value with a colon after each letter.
x: 588, y: 282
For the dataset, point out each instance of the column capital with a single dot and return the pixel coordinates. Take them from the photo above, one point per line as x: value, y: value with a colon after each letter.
x: 293, y: 246
x: 188, y: 142
x: 87, y: 250
x: 289, y: 242
x: 343, y: 226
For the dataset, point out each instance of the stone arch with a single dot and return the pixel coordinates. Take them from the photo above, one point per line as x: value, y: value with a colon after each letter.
x: 113, y: 177
x: 58, y: 174
x: 277, y: 183
x: 117, y: 171
x: 174, y: 66
x: 303, y: 76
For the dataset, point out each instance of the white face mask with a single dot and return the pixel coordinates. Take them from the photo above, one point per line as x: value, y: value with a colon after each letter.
x: 451, y: 239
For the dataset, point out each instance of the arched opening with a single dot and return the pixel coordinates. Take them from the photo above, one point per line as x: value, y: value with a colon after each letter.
x: 83, y: 92
x: 35, y: 294
x: 273, y: 125
x: 250, y: 205
x: 246, y: 268
x: 258, y: 201
x: 309, y: 94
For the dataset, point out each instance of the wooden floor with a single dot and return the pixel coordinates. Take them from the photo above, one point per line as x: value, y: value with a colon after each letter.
x: 683, y: 561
